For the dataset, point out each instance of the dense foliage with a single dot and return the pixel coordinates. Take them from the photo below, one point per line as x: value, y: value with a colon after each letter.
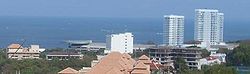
x: 218, y: 69
x: 240, y: 55
x: 42, y: 66
x: 205, y: 53
x: 180, y: 65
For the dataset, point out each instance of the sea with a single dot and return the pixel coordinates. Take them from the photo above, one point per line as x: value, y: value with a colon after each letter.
x: 51, y: 32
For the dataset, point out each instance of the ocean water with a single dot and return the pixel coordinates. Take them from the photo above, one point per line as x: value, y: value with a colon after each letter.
x: 50, y: 32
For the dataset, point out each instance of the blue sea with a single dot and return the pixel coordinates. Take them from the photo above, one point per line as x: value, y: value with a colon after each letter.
x: 50, y: 32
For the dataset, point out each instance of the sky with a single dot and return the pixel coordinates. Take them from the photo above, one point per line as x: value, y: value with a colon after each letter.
x: 233, y: 9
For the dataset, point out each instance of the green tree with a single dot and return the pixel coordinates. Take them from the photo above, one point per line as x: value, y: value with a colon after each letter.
x: 42, y: 66
x: 180, y: 65
x: 205, y: 53
x: 240, y: 55
x: 218, y: 69
x: 223, y: 50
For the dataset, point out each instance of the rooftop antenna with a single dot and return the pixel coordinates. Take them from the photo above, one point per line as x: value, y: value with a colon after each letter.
x: 68, y: 54
x: 18, y: 48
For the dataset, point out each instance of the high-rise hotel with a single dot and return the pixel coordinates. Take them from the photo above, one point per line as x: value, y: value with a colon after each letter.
x: 208, y: 26
x: 173, y: 30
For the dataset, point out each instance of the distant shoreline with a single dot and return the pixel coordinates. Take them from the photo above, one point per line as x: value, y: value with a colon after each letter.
x: 50, y: 32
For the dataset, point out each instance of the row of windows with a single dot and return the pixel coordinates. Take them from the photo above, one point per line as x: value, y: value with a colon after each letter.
x: 26, y: 56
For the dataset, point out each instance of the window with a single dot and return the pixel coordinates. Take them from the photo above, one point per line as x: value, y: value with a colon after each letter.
x: 189, y: 59
x: 157, y: 58
x: 26, y: 56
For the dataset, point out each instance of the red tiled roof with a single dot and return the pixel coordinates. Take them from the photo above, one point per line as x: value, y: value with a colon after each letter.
x: 140, y: 65
x: 114, y: 71
x: 144, y: 57
x: 117, y: 63
x: 140, y: 72
x: 113, y: 63
x: 68, y: 71
x: 140, y: 68
x: 155, y: 66
x: 14, y: 46
x: 211, y: 58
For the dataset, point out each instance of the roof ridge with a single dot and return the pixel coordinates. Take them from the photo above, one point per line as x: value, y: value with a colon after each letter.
x: 143, y: 57
x: 68, y: 70
x: 140, y: 65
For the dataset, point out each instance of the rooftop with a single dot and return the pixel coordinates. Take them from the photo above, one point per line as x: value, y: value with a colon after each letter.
x: 140, y: 68
x: 68, y: 71
x: 173, y: 47
x: 79, y: 41
x: 177, y: 16
x: 14, y: 46
x: 113, y: 62
x: 140, y: 65
x: 63, y: 53
x: 117, y: 63
x: 206, y: 9
x: 155, y: 65
x: 192, y: 42
x: 211, y: 58
x: 144, y: 57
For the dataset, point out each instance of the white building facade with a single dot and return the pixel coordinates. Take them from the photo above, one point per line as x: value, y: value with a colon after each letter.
x: 209, y: 26
x: 122, y: 42
x: 173, y: 30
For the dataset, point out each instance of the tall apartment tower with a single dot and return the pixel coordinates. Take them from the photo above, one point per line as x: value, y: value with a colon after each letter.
x: 122, y: 42
x: 208, y: 26
x: 173, y: 30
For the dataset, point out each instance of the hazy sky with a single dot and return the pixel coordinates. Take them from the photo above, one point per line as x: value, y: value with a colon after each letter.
x: 233, y: 9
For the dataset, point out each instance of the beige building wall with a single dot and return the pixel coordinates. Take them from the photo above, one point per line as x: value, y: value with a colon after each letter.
x: 22, y: 53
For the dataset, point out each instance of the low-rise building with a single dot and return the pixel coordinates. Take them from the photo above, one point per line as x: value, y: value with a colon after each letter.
x: 85, y: 45
x: 220, y: 56
x: 89, y: 45
x: 209, y: 61
x: 229, y: 46
x: 63, y: 55
x: 216, y: 58
x: 16, y: 51
x: 167, y: 55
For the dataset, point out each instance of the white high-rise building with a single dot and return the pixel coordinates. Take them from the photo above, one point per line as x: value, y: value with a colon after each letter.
x: 173, y: 30
x: 122, y: 42
x: 209, y: 26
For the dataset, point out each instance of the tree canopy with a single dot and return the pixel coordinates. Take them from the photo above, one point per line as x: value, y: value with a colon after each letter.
x: 42, y: 66
x: 240, y: 55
